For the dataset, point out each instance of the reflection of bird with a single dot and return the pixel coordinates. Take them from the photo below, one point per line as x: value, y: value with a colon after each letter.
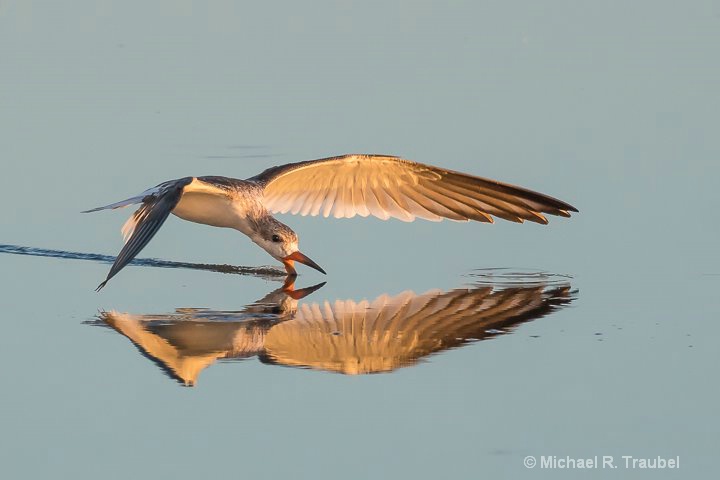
x: 345, y: 186
x: 192, y: 339
x: 343, y: 336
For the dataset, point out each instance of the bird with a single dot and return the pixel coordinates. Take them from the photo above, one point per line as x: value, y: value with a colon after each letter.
x: 344, y: 186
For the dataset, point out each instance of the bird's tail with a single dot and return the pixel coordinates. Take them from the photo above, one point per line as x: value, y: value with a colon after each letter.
x: 124, y: 203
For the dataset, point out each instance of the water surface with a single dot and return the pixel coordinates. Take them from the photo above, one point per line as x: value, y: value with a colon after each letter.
x: 612, y: 108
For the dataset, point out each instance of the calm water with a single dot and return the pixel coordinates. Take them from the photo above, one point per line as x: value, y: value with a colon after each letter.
x: 433, y: 349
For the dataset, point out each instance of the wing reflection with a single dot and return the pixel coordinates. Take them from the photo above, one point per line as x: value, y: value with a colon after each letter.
x: 343, y: 336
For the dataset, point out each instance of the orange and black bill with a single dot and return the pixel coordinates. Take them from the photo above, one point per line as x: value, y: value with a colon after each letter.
x: 297, y: 256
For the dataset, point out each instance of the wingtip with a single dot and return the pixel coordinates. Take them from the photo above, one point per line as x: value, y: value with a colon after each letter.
x: 100, y: 287
x: 566, y: 212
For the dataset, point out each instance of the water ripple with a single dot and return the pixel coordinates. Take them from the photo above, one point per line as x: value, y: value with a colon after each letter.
x: 264, y: 272
x: 508, y: 277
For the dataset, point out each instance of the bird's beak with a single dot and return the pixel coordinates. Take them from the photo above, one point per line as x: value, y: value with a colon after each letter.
x: 297, y: 256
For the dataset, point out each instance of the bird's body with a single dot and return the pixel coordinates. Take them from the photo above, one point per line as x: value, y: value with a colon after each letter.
x: 231, y: 204
x: 345, y: 186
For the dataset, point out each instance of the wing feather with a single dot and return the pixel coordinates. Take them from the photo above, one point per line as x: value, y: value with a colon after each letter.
x: 146, y: 221
x: 342, y: 202
x: 462, y: 209
x: 519, y: 197
x: 490, y: 205
x: 394, y: 204
x: 382, y: 202
x: 358, y: 197
x: 312, y: 203
x: 298, y: 203
x: 329, y: 187
x: 435, y: 211
x: 385, y: 186
x: 373, y: 205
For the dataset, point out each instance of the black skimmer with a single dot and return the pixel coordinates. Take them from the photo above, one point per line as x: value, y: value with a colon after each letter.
x: 343, y: 187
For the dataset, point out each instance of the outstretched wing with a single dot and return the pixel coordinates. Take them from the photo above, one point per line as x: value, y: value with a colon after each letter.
x: 385, y: 186
x: 146, y: 221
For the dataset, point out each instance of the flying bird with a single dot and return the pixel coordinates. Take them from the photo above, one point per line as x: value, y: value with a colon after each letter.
x: 379, y: 185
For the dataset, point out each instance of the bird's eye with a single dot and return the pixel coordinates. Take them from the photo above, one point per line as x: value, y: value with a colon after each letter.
x: 276, y: 238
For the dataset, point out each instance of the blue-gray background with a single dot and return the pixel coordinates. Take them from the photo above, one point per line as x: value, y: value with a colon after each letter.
x: 612, y: 106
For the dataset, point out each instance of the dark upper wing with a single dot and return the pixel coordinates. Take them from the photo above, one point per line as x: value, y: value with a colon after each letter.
x: 146, y: 221
x: 385, y: 186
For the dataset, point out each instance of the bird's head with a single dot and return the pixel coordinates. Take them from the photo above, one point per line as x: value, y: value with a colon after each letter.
x: 281, y: 242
